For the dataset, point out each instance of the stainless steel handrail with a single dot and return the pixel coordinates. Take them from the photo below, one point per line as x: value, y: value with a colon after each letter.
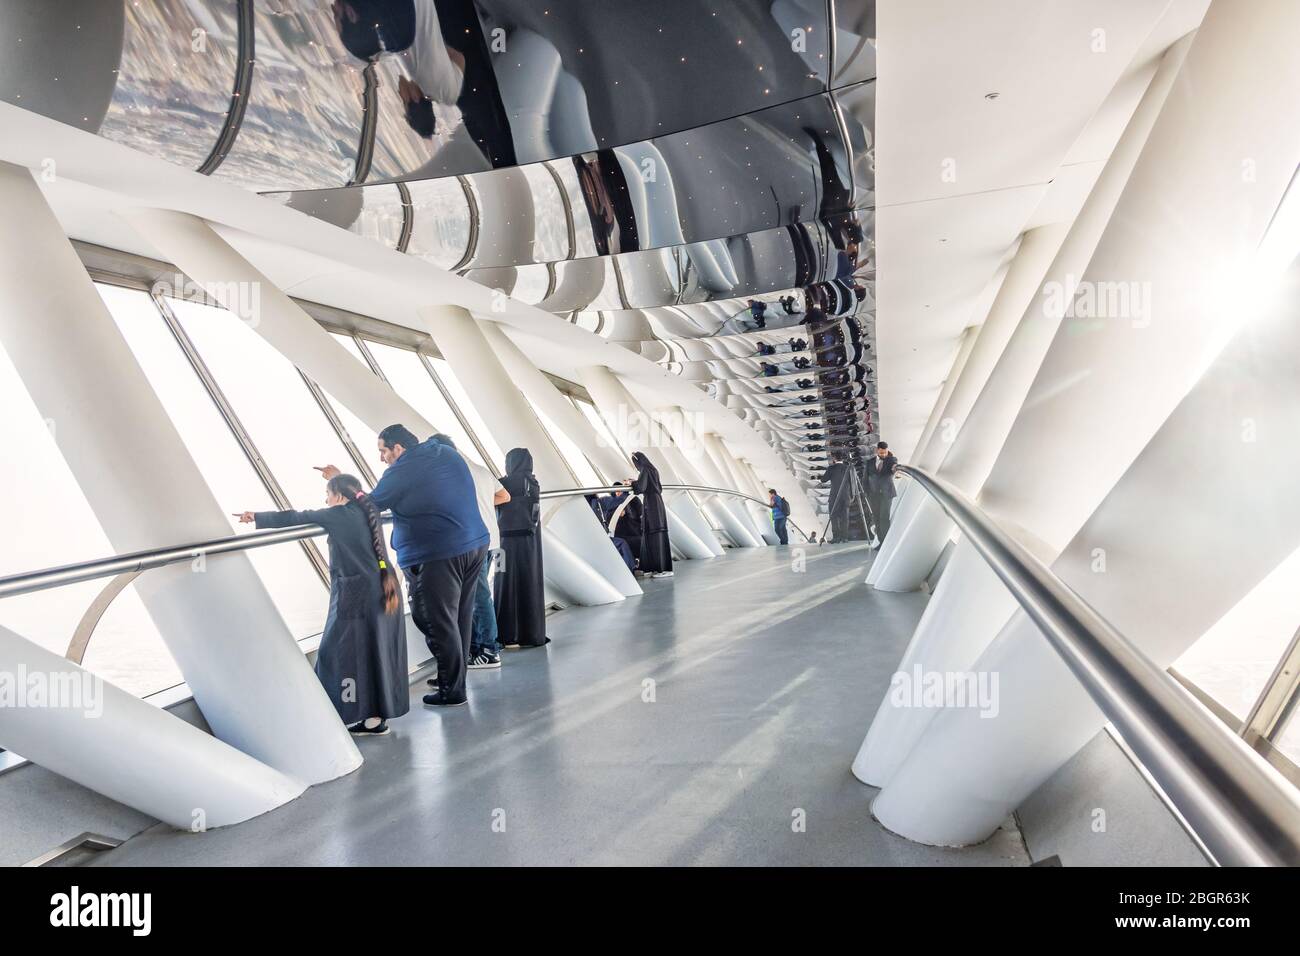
x: 1240, y: 808
x: 46, y: 578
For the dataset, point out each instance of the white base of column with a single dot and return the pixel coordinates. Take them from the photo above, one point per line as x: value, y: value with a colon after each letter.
x: 970, y: 772
x: 918, y: 533
x: 114, y: 743
x: 586, y: 567
x: 968, y: 608
x: 691, y: 531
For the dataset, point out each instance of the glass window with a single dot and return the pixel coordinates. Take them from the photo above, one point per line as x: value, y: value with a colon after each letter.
x: 56, y: 525
x: 1288, y: 740
x: 461, y: 398
x: 603, y: 434
x: 292, y: 581
x: 411, y: 380
x: 578, y: 464
x: 1234, y: 659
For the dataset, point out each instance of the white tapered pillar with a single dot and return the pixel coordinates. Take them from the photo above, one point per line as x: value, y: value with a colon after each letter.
x: 908, y: 554
x: 725, y: 509
x: 246, y: 672
x: 1140, y: 562
x: 96, y: 734
x: 1181, y: 240
x: 542, y: 393
x: 718, y: 454
x: 592, y: 572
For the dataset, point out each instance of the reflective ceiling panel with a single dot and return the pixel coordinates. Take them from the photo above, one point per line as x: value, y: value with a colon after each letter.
x: 302, y: 127
x: 783, y: 165
x: 154, y: 75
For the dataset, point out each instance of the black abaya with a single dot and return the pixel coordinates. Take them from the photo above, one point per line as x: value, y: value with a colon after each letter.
x: 361, y: 661
x: 520, y: 595
x: 656, y: 552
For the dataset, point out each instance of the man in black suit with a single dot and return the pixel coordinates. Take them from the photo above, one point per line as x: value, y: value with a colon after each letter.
x: 880, y: 488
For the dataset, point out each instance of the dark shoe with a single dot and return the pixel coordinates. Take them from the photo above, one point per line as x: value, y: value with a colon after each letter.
x: 484, y: 660
x: 436, y: 699
x: 359, y: 729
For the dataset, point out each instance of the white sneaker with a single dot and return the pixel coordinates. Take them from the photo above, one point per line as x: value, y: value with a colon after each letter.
x: 662, y: 574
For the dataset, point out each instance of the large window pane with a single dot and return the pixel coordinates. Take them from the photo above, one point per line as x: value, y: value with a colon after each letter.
x: 411, y: 380
x: 461, y: 398
x: 603, y: 434
x: 1233, y: 660
x: 1288, y: 741
x: 583, y: 471
x: 294, y: 585
x: 55, y: 525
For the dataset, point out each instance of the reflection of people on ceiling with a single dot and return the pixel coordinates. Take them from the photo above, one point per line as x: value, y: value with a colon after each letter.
x: 371, y: 28
x: 436, y: 71
x: 609, y: 207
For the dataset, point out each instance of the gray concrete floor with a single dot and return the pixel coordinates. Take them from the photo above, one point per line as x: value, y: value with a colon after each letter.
x: 692, y: 725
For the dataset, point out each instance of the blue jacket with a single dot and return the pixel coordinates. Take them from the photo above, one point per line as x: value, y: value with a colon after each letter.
x: 435, y: 508
x: 780, y: 509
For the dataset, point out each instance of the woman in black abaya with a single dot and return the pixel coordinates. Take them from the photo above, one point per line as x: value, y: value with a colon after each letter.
x: 520, y: 598
x: 361, y: 660
x: 656, y: 553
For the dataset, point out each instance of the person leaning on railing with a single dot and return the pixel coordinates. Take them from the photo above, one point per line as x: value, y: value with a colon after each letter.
x: 361, y: 661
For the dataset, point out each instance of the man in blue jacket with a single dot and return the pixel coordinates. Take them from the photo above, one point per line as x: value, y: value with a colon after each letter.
x: 780, y: 512
x: 441, y: 543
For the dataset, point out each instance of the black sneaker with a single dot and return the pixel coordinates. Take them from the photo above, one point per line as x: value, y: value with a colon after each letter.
x: 484, y: 660
x: 437, y: 699
x: 359, y: 729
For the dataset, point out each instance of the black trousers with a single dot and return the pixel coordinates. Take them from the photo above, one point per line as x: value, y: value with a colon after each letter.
x: 879, y: 505
x: 442, y: 607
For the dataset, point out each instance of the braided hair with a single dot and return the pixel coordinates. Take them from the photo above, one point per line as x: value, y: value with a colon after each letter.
x: 347, y: 486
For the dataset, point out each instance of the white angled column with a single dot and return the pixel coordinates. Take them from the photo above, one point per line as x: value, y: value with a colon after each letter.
x: 1109, y: 383
x: 542, y: 393
x: 1140, y: 561
x: 591, y: 570
x: 726, y: 465
x: 688, y: 530
x: 726, y: 510
x: 920, y: 529
x: 96, y: 734
x: 246, y: 672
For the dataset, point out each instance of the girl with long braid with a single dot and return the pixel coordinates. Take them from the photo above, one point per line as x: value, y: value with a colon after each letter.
x: 361, y: 661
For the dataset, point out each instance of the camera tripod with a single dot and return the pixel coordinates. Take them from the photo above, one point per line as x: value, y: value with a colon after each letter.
x: 853, y: 485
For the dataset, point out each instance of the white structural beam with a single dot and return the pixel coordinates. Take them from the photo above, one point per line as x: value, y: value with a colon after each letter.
x: 728, y: 511
x: 247, y: 674
x: 225, y: 275
x: 543, y: 393
x: 96, y: 734
x: 591, y: 571
x: 1181, y: 240
x: 725, y: 463
x: 1140, y: 561
x: 688, y: 529
x: 919, y: 529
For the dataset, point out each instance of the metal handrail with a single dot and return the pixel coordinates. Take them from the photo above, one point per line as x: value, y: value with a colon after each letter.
x: 137, y: 561
x: 1242, y: 810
